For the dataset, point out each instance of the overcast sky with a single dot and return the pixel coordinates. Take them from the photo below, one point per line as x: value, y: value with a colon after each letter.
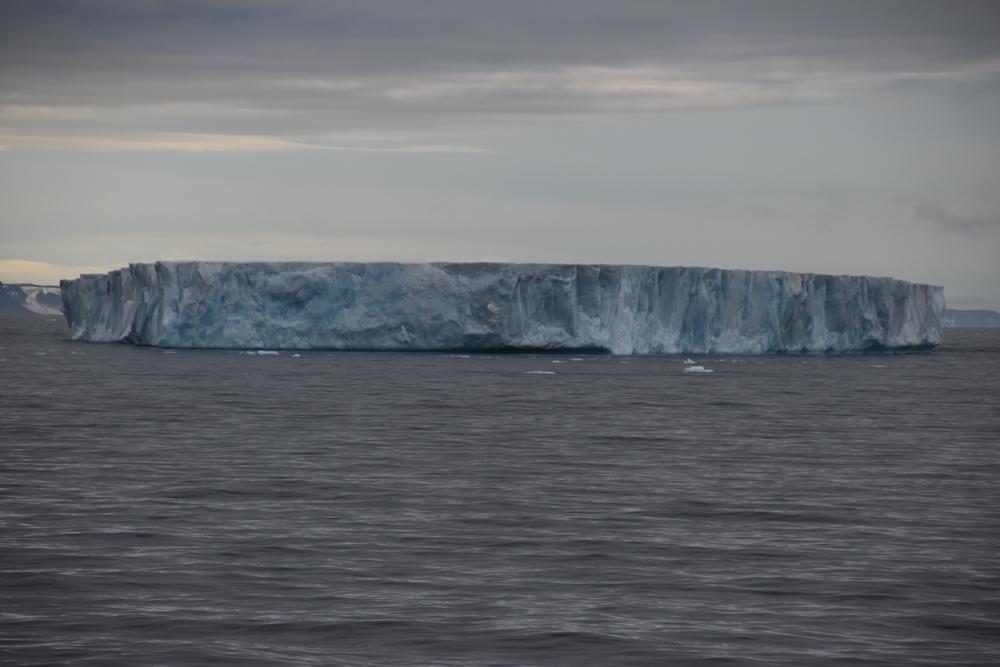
x: 835, y: 137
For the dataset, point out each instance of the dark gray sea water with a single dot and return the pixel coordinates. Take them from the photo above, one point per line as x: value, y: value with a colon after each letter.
x: 165, y: 508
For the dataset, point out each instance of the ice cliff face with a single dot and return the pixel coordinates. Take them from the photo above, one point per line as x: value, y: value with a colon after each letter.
x: 388, y: 306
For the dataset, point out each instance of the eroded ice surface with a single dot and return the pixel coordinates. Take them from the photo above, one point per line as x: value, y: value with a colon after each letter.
x: 389, y: 306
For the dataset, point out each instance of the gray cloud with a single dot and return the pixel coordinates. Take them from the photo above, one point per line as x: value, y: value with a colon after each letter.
x: 297, y: 70
x: 934, y: 212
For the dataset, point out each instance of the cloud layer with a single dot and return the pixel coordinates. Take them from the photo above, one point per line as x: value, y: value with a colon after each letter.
x: 270, y: 74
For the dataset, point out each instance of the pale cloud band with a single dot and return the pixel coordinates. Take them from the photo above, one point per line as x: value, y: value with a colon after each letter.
x: 42, y: 273
x: 201, y: 143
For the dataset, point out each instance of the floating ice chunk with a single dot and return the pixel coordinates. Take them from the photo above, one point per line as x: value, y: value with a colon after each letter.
x: 40, y: 354
x: 539, y: 372
x: 879, y: 366
x: 459, y: 356
x: 265, y: 353
x: 480, y: 307
x: 558, y: 361
x: 296, y: 355
x: 576, y: 358
x: 698, y: 369
x: 689, y: 362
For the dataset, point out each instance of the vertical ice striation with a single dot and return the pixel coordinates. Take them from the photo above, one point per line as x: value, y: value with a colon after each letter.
x: 390, y: 306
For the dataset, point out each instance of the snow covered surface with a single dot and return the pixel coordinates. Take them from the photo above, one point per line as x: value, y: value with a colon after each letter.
x: 389, y: 306
x: 41, y: 299
x: 27, y: 298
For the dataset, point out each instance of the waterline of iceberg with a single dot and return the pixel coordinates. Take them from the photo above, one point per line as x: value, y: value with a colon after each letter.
x: 492, y: 306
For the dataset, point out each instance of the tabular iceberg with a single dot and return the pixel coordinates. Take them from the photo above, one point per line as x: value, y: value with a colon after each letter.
x: 443, y: 306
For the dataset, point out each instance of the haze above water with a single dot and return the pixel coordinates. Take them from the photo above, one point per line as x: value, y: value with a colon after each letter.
x: 218, y: 508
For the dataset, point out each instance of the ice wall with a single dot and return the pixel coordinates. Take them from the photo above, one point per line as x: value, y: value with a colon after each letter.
x: 389, y: 306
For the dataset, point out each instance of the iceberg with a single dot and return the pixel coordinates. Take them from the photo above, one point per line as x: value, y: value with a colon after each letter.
x: 627, y: 310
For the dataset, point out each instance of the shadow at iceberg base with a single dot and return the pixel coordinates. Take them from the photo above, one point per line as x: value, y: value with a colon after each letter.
x: 870, y: 349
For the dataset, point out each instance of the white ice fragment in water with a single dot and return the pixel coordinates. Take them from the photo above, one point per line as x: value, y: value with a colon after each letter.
x: 698, y: 369
x: 879, y: 366
x: 558, y: 361
x: 459, y: 356
x: 576, y: 359
x: 539, y: 372
x: 40, y: 354
x: 296, y: 355
x: 689, y: 361
x: 262, y: 353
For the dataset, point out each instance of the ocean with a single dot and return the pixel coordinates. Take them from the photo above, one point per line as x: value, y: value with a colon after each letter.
x: 211, y: 507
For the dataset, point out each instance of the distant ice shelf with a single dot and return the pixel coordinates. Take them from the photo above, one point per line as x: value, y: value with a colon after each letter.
x: 490, y: 306
x: 26, y: 298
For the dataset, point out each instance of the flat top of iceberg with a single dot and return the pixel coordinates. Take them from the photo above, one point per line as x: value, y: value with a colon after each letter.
x: 284, y: 265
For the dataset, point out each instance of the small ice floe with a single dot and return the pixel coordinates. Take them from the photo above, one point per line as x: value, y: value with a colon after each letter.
x: 79, y: 353
x: 459, y: 356
x: 40, y: 354
x: 558, y: 361
x: 296, y: 355
x: 576, y: 358
x: 267, y: 353
x: 689, y: 362
x: 698, y: 369
x: 879, y: 366
x: 539, y: 372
